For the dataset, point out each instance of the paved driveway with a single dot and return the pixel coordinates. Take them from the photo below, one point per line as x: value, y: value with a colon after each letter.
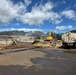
x: 39, y: 61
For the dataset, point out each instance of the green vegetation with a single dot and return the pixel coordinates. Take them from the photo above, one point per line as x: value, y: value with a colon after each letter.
x: 73, y: 31
x: 58, y: 36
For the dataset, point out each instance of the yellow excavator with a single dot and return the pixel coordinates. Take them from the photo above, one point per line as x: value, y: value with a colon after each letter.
x: 51, y: 38
x: 48, y: 41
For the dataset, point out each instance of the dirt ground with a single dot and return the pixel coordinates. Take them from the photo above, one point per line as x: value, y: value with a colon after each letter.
x: 20, y: 58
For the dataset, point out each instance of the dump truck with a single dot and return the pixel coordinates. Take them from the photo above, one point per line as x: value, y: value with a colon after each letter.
x: 69, y: 39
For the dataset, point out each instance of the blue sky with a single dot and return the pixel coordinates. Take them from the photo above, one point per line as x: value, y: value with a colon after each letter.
x: 42, y: 15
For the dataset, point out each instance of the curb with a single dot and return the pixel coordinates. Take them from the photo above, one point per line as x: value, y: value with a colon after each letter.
x: 14, y: 50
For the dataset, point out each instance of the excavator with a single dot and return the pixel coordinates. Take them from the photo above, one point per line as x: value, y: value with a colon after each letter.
x: 51, y: 38
x: 48, y: 41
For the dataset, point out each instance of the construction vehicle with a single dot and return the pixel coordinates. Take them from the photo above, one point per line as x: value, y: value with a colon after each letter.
x: 69, y: 39
x: 48, y: 41
x: 51, y: 38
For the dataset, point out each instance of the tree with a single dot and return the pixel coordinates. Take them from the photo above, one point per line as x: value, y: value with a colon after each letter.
x: 74, y: 31
x: 58, y: 36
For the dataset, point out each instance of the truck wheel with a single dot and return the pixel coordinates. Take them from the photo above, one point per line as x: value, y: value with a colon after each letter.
x: 73, y: 45
x: 65, y: 45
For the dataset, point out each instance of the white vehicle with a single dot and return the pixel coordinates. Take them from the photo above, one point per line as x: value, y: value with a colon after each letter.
x: 69, y: 39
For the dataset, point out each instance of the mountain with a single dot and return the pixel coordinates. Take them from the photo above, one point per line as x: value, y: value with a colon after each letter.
x: 36, y: 34
x: 12, y: 33
x: 30, y: 33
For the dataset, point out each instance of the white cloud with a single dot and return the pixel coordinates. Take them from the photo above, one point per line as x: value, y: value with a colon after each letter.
x: 20, y: 29
x: 9, y: 11
x: 75, y: 5
x: 48, y: 6
x: 64, y: 2
x: 27, y: 2
x: 38, y: 14
x: 69, y: 14
x: 57, y: 21
x: 17, y: 24
x: 55, y: 18
x: 64, y: 27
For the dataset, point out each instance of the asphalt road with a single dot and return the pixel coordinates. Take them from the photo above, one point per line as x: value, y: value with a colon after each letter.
x: 55, y: 62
